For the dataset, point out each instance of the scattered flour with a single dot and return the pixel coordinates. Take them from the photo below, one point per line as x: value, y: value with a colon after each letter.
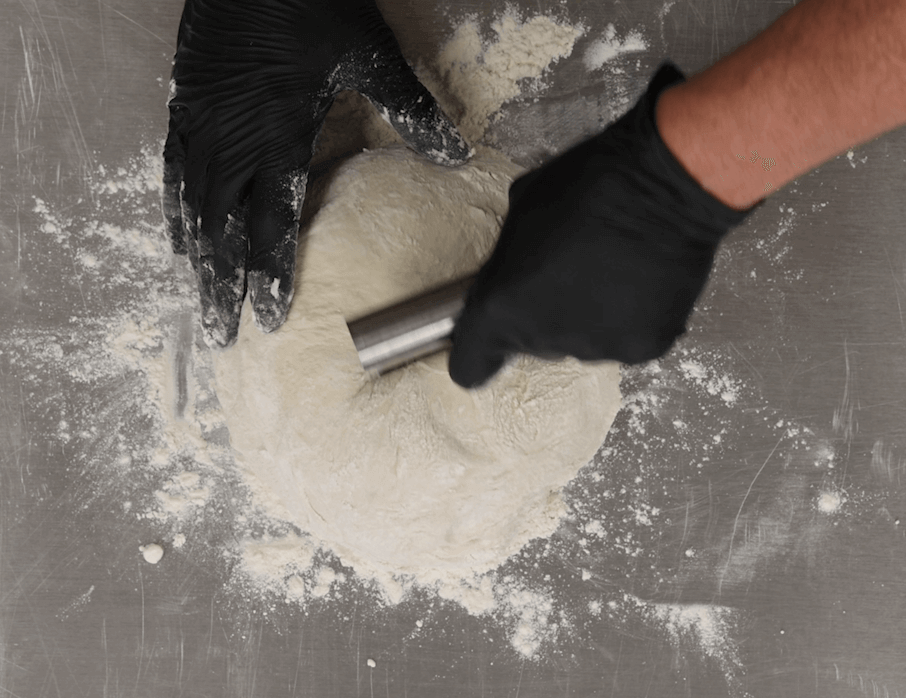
x: 709, y: 629
x: 181, y: 495
x: 484, y: 75
x: 714, y: 383
x: 533, y: 626
x: 608, y: 47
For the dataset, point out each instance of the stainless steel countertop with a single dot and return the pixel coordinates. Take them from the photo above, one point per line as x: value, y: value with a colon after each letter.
x: 789, y: 386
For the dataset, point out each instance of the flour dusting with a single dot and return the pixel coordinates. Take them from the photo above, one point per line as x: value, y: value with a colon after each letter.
x: 485, y: 74
x: 607, y: 556
x: 830, y: 502
x: 609, y: 47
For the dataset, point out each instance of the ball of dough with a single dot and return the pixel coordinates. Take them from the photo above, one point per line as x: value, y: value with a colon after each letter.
x: 407, y: 474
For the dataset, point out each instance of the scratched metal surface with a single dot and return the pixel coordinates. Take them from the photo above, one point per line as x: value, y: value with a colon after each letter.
x: 810, y: 322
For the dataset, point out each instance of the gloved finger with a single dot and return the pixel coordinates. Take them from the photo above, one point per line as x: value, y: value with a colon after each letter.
x: 477, y: 352
x: 521, y: 186
x: 189, y: 223
x: 174, y: 166
x: 221, y: 267
x: 376, y: 69
x: 276, y: 206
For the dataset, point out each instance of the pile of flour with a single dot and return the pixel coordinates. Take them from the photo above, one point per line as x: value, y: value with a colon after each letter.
x: 407, y: 474
x: 409, y: 477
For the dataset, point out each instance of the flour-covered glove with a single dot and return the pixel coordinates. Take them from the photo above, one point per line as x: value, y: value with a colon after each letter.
x: 252, y: 83
x: 602, y: 255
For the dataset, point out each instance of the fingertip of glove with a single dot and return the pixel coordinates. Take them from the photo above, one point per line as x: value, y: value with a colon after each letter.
x: 473, y: 371
x: 634, y: 352
x: 448, y: 155
x: 218, y: 337
x: 271, y: 298
x: 221, y: 305
x: 269, y: 318
x: 471, y: 365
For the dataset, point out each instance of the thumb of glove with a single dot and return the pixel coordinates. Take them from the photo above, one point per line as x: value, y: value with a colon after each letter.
x: 475, y: 356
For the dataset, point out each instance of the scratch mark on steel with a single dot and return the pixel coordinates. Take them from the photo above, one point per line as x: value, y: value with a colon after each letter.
x: 747, y: 363
x: 519, y: 685
x: 896, y: 289
x: 35, y: 48
x: 616, y: 670
x: 141, y: 649
x: 106, y: 657
x: 298, y: 663
x: 137, y: 24
x: 31, y: 81
x: 843, y: 421
x: 103, y: 40
x: 739, y: 513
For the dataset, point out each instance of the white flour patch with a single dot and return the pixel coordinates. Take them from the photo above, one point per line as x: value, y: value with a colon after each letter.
x: 533, y: 626
x: 609, y: 47
x: 410, y: 476
x: 483, y: 74
x: 829, y: 502
x: 710, y: 630
x: 153, y: 553
x: 713, y: 630
x: 273, y: 561
x: 181, y: 496
x: 713, y: 383
x: 851, y: 157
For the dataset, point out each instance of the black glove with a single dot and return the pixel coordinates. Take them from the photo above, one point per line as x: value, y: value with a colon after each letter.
x: 252, y: 83
x: 602, y: 254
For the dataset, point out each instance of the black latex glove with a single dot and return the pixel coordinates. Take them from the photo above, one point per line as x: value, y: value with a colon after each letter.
x: 252, y: 83
x: 602, y: 256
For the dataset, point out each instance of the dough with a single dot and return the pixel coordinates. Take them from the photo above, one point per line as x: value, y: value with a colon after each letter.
x: 407, y: 474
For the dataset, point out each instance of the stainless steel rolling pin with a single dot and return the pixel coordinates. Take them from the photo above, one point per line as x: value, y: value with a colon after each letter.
x: 410, y: 330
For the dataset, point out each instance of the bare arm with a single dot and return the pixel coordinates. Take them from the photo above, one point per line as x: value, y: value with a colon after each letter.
x: 826, y: 76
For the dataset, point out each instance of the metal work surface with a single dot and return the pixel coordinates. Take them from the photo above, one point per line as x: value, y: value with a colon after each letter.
x: 741, y: 533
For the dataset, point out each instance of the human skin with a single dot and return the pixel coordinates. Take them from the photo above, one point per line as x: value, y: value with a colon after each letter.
x: 826, y: 76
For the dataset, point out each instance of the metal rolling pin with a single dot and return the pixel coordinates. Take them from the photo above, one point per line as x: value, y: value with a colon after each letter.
x: 410, y: 330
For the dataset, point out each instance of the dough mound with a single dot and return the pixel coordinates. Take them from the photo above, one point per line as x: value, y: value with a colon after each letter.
x: 407, y: 474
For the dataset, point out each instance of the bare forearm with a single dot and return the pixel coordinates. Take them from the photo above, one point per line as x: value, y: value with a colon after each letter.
x: 826, y: 76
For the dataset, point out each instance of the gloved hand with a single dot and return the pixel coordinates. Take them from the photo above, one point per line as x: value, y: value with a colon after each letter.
x: 252, y: 83
x: 602, y: 255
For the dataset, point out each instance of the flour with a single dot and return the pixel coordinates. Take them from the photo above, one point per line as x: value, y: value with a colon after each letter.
x: 708, y: 629
x: 153, y: 553
x: 608, y: 47
x: 407, y: 476
x: 829, y: 502
x: 271, y: 561
x: 484, y: 75
x: 714, y: 383
x: 181, y: 496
